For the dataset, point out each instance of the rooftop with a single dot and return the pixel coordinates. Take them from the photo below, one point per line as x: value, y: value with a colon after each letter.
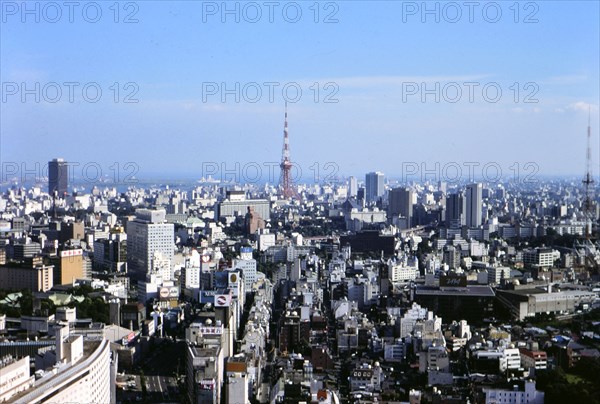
x: 474, y: 290
x: 64, y: 372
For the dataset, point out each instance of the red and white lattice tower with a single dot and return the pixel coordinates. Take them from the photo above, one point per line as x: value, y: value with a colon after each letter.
x: 588, y: 183
x: 286, y: 185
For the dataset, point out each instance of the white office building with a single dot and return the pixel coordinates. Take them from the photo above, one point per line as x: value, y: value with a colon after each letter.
x: 191, y: 271
x: 247, y: 265
x: 403, y: 269
x: 147, y: 235
x: 352, y: 187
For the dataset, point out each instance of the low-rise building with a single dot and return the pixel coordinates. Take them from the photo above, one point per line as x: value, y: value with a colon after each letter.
x: 517, y: 395
x: 533, y: 359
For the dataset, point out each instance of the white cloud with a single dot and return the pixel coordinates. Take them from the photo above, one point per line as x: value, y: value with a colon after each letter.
x: 566, y: 79
x: 582, y: 106
x: 396, y: 81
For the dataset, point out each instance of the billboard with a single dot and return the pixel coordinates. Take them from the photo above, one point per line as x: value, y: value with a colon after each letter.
x: 168, y: 292
x: 207, y: 384
x: 222, y: 300
x: 163, y: 293
x: 205, y: 329
x: 71, y: 253
x: 453, y: 280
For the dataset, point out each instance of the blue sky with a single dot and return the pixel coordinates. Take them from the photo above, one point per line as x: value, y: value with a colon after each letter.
x: 374, y: 61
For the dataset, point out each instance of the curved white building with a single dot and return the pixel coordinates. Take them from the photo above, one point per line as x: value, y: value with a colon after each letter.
x: 84, y: 380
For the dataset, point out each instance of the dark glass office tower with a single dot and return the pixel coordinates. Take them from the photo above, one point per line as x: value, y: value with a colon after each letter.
x: 58, y: 177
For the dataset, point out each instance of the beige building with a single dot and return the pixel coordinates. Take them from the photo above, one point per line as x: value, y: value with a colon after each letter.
x: 70, y: 267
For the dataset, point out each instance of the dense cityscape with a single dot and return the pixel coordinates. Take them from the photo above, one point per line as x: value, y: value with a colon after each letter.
x: 299, y: 202
x: 339, y: 291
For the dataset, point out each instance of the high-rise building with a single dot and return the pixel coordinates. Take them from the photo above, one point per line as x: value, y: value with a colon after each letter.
x: 247, y: 264
x: 204, y: 373
x: 352, y: 187
x: 253, y: 222
x: 374, y: 186
x: 474, y: 204
x: 111, y: 253
x: 456, y: 207
x: 71, y: 231
x: 58, y: 177
x: 69, y: 266
x: 401, y: 204
x: 360, y: 197
x: 148, y: 237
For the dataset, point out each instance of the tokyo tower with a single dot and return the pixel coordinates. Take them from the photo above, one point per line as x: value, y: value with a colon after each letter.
x: 286, y: 185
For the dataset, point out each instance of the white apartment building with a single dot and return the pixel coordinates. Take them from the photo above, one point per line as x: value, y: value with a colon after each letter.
x: 541, y: 257
x: 511, y: 359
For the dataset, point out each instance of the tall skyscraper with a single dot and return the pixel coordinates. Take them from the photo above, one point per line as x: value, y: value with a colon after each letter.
x: 401, y: 204
x: 352, y: 187
x: 58, y: 177
x: 150, y: 244
x: 456, y: 207
x: 474, y: 205
x: 374, y: 186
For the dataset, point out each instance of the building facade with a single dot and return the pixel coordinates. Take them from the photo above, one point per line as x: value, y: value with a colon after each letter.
x: 147, y: 235
x: 87, y: 379
x: 474, y: 204
x: 58, y: 177
x: 374, y: 186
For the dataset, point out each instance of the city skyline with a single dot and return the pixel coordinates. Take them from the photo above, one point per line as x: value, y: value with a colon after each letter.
x: 299, y: 202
